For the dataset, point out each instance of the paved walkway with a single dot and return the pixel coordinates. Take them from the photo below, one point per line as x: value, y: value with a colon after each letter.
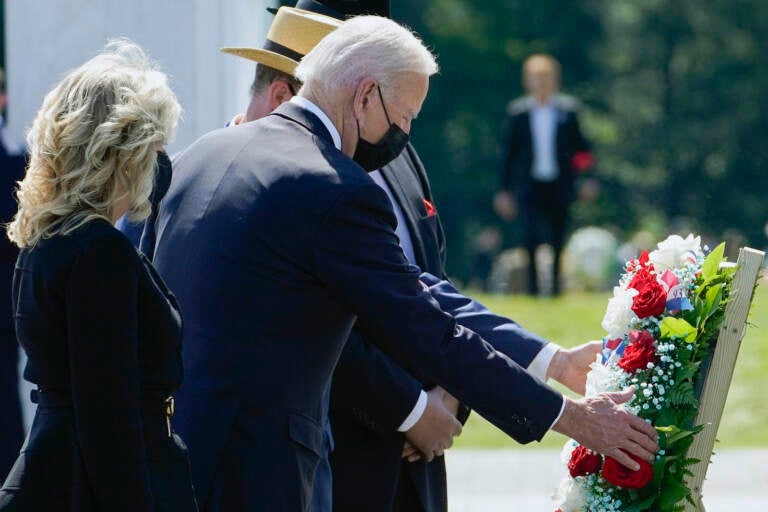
x: 523, y: 480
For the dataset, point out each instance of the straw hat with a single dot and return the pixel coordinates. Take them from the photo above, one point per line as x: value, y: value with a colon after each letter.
x: 291, y: 36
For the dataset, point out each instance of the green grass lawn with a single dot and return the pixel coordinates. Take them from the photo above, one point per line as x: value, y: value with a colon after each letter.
x: 576, y: 318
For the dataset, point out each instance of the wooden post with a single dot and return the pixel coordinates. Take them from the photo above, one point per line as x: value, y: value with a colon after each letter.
x: 718, y: 380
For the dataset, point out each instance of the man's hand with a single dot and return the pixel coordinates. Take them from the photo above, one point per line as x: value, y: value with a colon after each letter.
x: 451, y: 403
x: 570, y: 366
x: 603, y: 425
x: 505, y: 205
x: 435, y: 430
x: 410, y: 452
x: 237, y: 120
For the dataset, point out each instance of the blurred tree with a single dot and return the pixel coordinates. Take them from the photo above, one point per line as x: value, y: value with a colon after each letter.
x: 685, y: 90
x: 675, y: 99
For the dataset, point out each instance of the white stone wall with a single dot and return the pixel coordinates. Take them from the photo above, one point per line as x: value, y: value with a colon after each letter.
x: 45, y: 38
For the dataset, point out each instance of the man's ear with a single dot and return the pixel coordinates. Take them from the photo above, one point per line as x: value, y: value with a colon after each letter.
x: 279, y: 93
x: 364, y: 95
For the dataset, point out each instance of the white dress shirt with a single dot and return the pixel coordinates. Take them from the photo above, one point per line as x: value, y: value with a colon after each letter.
x: 308, y: 105
x: 538, y: 366
x: 543, y: 132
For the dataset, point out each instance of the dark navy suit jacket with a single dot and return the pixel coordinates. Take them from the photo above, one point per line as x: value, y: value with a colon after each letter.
x: 274, y: 243
x: 372, y: 394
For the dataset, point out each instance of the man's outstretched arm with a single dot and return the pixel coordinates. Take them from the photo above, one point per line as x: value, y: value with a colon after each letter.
x: 538, y: 356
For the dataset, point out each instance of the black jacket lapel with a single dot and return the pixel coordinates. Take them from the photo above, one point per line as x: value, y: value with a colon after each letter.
x: 409, y: 194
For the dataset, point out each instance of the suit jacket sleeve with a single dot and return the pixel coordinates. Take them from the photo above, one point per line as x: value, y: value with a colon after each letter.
x: 580, y: 142
x: 101, y: 298
x: 504, y: 334
x: 357, y: 257
x: 509, y: 152
x: 373, y: 389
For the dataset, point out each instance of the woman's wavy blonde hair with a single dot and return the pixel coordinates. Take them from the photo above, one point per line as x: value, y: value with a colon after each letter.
x: 93, y: 144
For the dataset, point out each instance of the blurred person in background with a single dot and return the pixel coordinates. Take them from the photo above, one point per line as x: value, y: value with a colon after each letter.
x: 101, y: 330
x: 12, y: 164
x: 543, y: 151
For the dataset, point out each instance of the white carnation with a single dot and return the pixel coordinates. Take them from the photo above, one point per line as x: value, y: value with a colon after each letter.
x: 600, y: 379
x: 671, y: 251
x: 569, y: 496
x: 619, y: 314
x: 565, y: 454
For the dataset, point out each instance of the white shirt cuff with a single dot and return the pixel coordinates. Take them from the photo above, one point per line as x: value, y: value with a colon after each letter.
x: 540, y: 364
x: 416, y: 413
x: 562, y: 410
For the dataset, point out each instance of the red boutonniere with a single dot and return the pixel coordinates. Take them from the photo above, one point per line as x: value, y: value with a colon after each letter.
x: 583, y: 161
x: 430, y: 208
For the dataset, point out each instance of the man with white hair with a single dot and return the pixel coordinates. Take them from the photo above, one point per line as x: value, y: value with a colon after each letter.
x: 275, y: 240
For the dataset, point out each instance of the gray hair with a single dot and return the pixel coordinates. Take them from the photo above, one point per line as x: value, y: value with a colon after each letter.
x: 364, y: 47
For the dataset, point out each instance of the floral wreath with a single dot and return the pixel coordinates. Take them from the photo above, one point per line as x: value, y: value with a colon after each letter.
x: 662, y: 323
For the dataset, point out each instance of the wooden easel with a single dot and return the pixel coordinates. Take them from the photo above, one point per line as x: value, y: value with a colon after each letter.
x: 718, y: 379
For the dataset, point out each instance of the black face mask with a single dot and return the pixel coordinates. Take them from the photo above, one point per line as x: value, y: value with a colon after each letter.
x: 375, y: 156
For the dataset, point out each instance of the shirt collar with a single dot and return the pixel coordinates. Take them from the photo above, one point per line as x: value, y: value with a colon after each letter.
x: 308, y: 105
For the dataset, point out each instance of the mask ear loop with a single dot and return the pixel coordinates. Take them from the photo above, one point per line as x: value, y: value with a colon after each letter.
x: 383, y: 106
x: 381, y: 97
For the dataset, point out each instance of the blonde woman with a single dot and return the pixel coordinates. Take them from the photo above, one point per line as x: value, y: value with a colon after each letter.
x: 101, y: 330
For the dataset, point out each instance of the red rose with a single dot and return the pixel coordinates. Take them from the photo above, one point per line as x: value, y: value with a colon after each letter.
x: 644, y: 258
x: 640, y: 262
x: 651, y: 299
x: 621, y: 476
x: 584, y: 462
x: 640, y: 351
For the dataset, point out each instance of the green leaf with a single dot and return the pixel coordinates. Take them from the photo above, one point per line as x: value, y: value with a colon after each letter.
x: 712, y: 301
x: 688, y: 371
x: 682, y: 434
x: 673, y: 434
x: 712, y: 263
x: 659, y: 470
x: 672, y: 493
x: 683, y: 395
x: 672, y: 327
x: 641, y: 505
x: 692, y: 460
